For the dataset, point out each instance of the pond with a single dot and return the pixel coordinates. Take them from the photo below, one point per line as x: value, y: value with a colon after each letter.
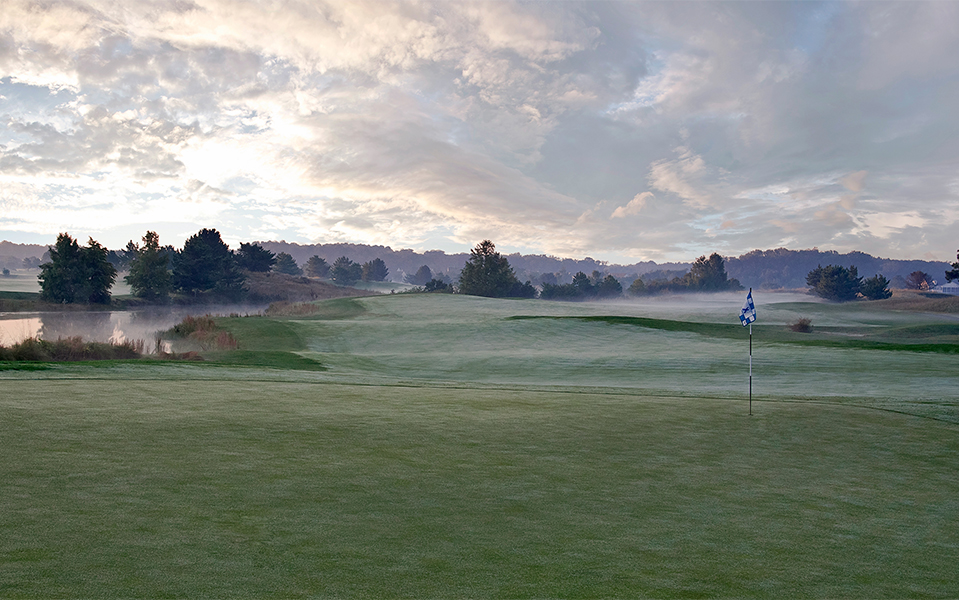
x: 105, y: 326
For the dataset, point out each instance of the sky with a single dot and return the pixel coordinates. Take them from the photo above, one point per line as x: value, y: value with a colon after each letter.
x: 623, y: 131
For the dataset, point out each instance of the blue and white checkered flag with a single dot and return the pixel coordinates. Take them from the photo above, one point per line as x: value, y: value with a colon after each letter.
x: 748, y: 314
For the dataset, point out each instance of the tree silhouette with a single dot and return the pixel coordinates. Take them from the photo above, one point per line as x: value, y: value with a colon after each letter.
x: 149, y: 276
x: 487, y: 273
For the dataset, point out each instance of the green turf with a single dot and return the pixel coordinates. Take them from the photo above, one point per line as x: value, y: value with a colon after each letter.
x: 435, y: 446
x: 26, y: 281
x: 189, y: 489
x: 941, y: 337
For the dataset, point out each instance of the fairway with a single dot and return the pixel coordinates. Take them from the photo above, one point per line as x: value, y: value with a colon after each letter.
x: 437, y: 446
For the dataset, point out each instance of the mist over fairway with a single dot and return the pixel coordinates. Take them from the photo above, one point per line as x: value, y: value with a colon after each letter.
x: 450, y: 446
x: 442, y: 339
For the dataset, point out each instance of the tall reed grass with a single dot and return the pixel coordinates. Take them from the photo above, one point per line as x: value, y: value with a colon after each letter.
x: 204, y: 332
x: 70, y: 349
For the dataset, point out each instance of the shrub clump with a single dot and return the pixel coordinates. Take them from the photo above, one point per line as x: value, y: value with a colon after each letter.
x: 190, y: 325
x: 204, y: 331
x: 802, y: 325
x: 70, y: 349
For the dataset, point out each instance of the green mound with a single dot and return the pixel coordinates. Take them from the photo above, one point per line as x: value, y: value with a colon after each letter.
x: 272, y: 359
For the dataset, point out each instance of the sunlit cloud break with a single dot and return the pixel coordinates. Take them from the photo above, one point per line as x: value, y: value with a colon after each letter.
x: 619, y: 130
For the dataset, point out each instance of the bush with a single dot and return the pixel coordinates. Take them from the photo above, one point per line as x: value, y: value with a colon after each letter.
x: 30, y: 349
x: 802, y: 325
x: 436, y: 285
x: 190, y: 325
x: 204, y: 331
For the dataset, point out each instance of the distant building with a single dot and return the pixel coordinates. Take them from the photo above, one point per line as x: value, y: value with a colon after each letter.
x: 951, y: 287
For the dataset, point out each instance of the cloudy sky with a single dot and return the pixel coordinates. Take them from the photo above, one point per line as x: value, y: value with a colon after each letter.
x: 617, y: 130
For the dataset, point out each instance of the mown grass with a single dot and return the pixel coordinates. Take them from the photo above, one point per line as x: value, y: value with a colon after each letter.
x: 198, y: 489
x: 941, y: 337
x: 272, y: 359
x: 432, y: 446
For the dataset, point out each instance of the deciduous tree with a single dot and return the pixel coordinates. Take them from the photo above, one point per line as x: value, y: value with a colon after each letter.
x: 918, y: 280
x: 637, y: 287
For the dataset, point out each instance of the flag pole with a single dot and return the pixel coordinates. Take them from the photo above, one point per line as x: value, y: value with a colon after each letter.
x: 747, y: 316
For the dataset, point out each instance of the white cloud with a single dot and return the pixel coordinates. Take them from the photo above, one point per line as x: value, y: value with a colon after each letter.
x: 527, y: 123
x: 634, y: 206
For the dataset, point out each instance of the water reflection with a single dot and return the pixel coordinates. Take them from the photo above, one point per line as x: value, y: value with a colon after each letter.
x: 115, y: 326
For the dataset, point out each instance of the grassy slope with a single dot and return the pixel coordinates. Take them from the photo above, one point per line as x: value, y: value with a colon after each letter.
x: 451, y: 451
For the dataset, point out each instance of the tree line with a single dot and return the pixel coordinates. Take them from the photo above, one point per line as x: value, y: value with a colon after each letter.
x: 204, y: 269
x: 842, y: 284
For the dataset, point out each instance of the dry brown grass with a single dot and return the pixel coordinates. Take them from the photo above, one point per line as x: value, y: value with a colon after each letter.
x: 919, y: 302
x: 802, y: 325
x: 204, y: 332
x: 279, y: 287
x: 291, y: 309
x: 70, y: 349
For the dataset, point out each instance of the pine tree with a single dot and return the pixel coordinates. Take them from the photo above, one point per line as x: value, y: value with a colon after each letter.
x: 875, y: 288
x: 954, y: 272
x: 317, y: 267
x: 834, y: 282
x: 375, y: 270
x: 206, y: 266
x: 345, y: 271
x: 149, y: 276
x: 77, y: 274
x: 254, y: 257
x: 286, y: 264
x: 487, y: 273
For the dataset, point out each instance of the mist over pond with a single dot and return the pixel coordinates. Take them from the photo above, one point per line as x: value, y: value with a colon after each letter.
x: 106, y: 326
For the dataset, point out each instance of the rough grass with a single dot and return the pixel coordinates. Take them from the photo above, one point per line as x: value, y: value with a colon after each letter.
x: 920, y: 302
x: 280, y: 287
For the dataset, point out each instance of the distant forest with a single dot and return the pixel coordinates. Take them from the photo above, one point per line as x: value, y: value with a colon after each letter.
x: 761, y: 269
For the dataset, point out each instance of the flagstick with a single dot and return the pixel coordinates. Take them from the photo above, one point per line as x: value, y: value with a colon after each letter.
x: 750, y: 367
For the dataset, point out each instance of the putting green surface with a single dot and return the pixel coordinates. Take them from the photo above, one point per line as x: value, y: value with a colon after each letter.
x: 436, y: 446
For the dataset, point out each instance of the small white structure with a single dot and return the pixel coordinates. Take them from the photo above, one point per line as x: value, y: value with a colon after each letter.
x: 951, y: 287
